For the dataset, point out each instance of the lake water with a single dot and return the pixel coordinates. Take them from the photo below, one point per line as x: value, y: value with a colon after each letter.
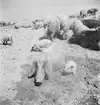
x: 33, y: 12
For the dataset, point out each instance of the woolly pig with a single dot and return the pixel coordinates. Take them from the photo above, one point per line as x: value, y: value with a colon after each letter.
x: 41, y: 69
x: 68, y: 34
x: 51, y: 25
x: 70, y: 67
x: 6, y: 39
x: 83, y: 13
x: 77, y: 26
x: 41, y: 44
x: 65, y: 26
x: 97, y: 16
x: 63, y: 22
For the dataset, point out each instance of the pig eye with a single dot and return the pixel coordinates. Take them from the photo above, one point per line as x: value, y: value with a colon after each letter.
x: 45, y: 26
x: 64, y: 66
x: 71, y: 67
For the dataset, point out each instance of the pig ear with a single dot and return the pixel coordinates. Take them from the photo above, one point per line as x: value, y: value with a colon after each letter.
x: 32, y: 71
x: 48, y: 69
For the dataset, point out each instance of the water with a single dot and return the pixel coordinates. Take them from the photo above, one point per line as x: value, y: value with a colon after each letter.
x: 12, y: 10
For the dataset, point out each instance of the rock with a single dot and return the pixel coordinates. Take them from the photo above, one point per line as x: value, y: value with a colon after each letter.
x: 92, y: 11
x: 87, y: 39
x: 91, y: 23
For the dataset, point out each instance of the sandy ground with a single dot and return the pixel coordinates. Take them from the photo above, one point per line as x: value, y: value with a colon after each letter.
x: 16, y: 60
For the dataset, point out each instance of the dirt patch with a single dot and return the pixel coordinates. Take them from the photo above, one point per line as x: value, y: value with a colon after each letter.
x: 16, y: 60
